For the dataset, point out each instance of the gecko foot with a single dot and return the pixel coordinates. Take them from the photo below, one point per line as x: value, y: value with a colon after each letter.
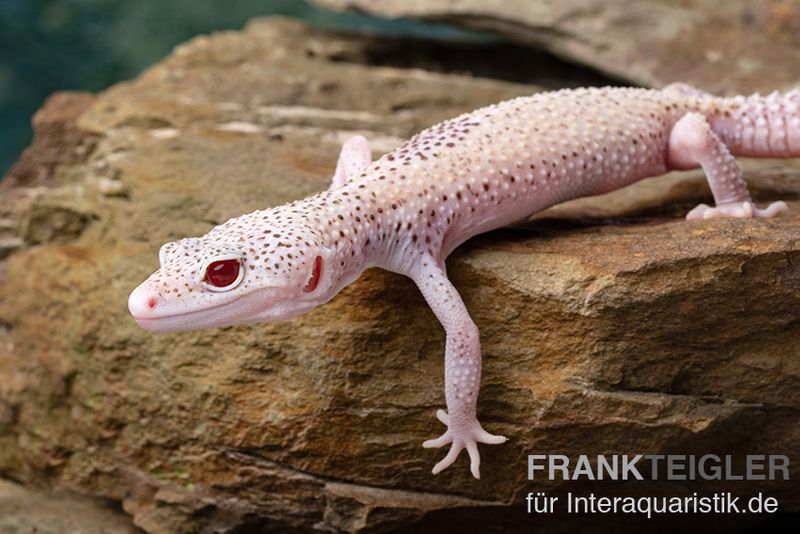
x: 463, y: 436
x: 736, y: 209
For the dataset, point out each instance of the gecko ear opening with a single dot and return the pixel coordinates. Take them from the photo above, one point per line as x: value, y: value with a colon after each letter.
x: 316, y: 275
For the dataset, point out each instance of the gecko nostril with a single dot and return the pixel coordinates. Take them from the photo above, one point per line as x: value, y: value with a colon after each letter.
x: 143, y: 302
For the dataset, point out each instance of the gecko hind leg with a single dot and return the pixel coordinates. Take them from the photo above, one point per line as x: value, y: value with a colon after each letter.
x: 693, y: 143
x: 355, y: 156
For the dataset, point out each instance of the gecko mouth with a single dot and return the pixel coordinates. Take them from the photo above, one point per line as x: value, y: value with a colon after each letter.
x: 152, y: 312
x: 262, y: 305
x: 182, y: 321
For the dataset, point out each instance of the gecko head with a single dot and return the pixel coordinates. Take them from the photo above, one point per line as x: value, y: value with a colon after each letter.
x: 262, y: 267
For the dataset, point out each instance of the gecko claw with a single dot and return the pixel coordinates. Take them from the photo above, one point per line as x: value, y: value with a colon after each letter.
x: 467, y: 438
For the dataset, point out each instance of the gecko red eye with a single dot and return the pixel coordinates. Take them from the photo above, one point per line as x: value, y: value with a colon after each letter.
x: 316, y: 274
x: 222, y: 273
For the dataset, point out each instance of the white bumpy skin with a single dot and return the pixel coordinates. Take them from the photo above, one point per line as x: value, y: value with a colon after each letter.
x: 409, y: 209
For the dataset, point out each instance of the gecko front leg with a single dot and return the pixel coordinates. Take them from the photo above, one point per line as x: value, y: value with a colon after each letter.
x: 354, y: 158
x: 462, y: 367
x: 692, y: 142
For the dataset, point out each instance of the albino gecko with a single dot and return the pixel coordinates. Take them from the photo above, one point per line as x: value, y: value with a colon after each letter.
x: 408, y: 210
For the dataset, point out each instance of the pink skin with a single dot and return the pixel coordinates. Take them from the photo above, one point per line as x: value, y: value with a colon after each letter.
x: 409, y: 209
x: 354, y: 158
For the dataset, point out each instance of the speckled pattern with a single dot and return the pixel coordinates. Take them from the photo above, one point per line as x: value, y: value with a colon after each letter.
x: 409, y: 209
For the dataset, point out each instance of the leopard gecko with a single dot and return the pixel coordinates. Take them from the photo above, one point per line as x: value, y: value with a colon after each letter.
x: 406, y: 211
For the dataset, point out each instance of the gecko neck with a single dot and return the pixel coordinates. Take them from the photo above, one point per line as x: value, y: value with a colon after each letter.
x: 361, y: 224
x: 338, y: 214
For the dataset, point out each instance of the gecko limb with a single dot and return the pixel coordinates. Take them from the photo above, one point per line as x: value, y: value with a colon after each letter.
x: 692, y: 142
x: 462, y: 373
x: 355, y: 157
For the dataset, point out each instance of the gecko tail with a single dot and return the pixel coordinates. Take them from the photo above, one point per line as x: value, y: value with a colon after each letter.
x: 762, y: 126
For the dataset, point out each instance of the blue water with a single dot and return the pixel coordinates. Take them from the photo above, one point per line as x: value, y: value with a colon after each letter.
x: 57, y: 45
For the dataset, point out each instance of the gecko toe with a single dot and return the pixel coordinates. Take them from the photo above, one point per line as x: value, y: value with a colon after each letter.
x: 474, y: 459
x: 696, y: 214
x: 441, y: 441
x: 483, y: 436
x: 772, y: 210
x: 442, y: 416
x: 448, y: 460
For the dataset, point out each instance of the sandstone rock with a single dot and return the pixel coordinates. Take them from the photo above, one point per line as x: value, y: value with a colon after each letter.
x: 59, y: 144
x: 50, y: 220
x: 22, y: 510
x: 739, y: 45
x: 608, y: 324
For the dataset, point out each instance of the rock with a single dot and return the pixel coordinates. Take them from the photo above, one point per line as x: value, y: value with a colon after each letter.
x: 23, y: 510
x: 609, y: 318
x: 57, y: 140
x: 50, y: 221
x: 58, y: 144
x: 734, y: 46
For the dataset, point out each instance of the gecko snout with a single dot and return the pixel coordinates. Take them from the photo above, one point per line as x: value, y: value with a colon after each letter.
x: 142, y: 302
